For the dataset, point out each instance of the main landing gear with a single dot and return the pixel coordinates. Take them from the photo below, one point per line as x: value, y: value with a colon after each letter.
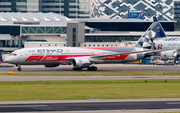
x: 19, y: 67
x: 93, y: 68
x: 77, y: 69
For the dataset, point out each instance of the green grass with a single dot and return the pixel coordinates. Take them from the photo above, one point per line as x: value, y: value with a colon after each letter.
x: 97, y: 89
x: 87, y: 73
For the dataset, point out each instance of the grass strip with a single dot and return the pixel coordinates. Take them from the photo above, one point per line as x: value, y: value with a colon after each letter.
x: 90, y: 81
x: 88, y: 89
x: 87, y: 73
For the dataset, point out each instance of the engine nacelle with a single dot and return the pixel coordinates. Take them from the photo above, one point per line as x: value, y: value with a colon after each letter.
x: 171, y: 53
x: 175, y: 55
x: 80, y: 63
x: 51, y: 65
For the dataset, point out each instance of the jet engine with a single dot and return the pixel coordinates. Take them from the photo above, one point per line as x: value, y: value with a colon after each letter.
x: 51, y: 65
x: 166, y: 54
x: 79, y: 63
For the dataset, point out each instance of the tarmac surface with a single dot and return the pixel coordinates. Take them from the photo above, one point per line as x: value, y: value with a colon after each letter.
x: 101, y: 68
x: 94, y: 105
x: 44, y: 78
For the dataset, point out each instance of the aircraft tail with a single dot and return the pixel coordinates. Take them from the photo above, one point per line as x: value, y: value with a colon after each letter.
x: 160, y: 33
x: 146, y: 40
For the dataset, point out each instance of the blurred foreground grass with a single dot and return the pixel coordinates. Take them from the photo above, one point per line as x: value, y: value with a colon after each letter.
x: 88, y: 89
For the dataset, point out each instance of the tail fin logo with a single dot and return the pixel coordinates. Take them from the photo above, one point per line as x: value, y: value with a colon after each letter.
x: 160, y: 31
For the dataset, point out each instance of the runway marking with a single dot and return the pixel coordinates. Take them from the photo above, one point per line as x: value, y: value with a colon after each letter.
x: 173, y: 103
x: 25, y: 106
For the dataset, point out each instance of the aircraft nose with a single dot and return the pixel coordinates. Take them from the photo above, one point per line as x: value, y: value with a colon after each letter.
x: 7, y: 60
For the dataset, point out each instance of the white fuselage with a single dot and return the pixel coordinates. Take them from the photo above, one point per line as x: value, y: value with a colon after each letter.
x: 44, y: 56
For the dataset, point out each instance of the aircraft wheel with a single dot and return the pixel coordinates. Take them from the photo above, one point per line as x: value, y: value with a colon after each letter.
x: 89, y: 68
x: 19, y: 69
x: 77, y: 68
x: 92, y: 68
x: 95, y: 68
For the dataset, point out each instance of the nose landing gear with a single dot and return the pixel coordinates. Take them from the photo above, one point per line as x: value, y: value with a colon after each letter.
x: 19, y: 67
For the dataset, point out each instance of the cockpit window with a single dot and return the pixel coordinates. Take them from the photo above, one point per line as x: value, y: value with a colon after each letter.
x: 13, y: 54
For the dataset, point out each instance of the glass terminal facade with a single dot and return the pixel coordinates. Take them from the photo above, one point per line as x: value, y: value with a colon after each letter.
x: 114, y: 9
x: 19, y: 6
x: 15, y: 43
x: 177, y: 10
x: 111, y: 38
x: 43, y: 30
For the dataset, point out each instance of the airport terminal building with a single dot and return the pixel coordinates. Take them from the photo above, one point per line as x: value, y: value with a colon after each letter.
x: 17, y: 28
x: 109, y: 9
x: 95, y: 23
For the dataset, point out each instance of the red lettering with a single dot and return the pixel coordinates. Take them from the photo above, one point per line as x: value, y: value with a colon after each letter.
x: 160, y: 46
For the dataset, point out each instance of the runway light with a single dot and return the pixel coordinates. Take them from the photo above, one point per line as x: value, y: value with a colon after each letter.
x: 82, y: 72
x: 10, y: 72
x: 138, y: 72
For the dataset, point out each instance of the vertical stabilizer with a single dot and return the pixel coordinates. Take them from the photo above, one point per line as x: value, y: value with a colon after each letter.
x: 160, y: 33
x: 146, y: 40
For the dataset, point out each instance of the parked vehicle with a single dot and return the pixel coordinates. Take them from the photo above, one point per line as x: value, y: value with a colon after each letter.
x: 145, y: 61
x: 170, y: 61
x: 160, y: 62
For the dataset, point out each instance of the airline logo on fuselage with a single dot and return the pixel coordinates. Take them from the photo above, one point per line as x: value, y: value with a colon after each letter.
x: 49, y: 50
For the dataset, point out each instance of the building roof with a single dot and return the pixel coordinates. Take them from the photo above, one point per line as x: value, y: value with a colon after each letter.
x: 116, y: 20
x: 40, y: 18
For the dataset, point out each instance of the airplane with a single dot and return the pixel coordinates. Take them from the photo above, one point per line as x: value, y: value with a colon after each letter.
x: 85, y: 57
x: 163, y: 42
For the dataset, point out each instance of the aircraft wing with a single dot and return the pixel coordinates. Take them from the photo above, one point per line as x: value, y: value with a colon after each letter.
x: 95, y: 58
x: 178, y: 50
x: 150, y: 52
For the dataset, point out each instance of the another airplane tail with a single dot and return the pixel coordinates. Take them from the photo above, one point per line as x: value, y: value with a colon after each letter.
x: 146, y: 40
x: 160, y: 33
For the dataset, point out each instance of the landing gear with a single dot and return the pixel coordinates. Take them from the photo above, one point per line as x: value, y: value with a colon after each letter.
x: 19, y: 67
x: 77, y: 68
x: 92, y: 68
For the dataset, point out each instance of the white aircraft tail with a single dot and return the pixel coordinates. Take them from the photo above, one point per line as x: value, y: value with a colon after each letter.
x: 146, y: 40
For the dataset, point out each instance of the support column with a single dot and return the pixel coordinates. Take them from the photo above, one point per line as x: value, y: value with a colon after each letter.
x: 20, y: 45
x: 75, y: 34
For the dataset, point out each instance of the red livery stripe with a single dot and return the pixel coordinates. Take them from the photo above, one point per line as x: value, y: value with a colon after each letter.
x: 103, y: 47
x: 37, y: 58
x: 64, y: 57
